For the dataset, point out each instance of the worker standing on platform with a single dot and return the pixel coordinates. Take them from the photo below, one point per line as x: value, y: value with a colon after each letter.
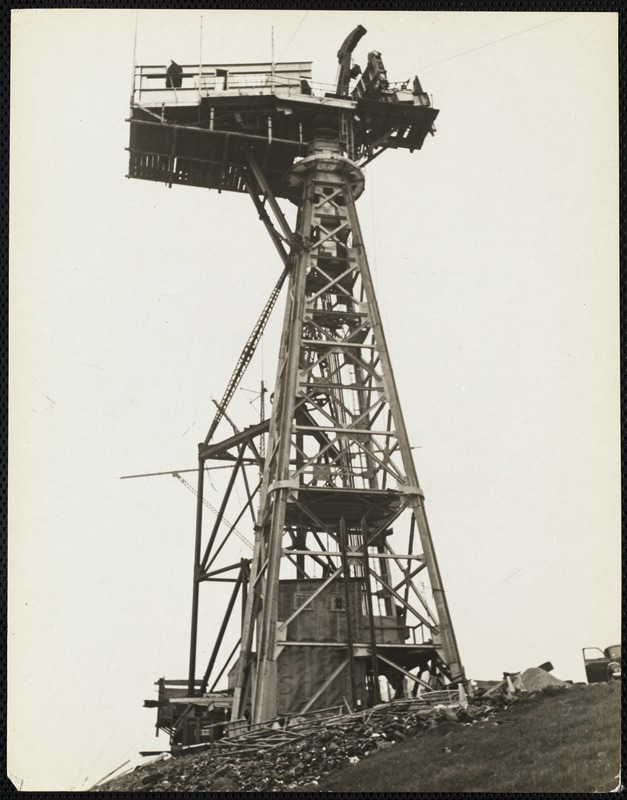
x: 174, y: 76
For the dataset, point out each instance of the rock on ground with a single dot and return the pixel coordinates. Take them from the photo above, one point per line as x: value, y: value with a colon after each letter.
x: 535, y: 679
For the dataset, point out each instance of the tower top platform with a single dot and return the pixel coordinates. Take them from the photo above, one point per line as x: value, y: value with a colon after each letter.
x: 193, y: 124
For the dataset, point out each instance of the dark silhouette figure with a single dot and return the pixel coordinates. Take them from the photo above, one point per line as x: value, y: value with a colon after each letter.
x: 174, y: 76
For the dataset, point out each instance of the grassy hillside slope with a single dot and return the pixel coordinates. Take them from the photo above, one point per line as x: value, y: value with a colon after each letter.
x: 568, y: 741
x: 559, y: 740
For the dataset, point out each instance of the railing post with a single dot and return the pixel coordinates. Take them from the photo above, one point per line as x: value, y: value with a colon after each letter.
x: 200, y: 61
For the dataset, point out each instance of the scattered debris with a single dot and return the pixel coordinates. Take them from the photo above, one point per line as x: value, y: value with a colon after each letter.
x: 289, y: 753
x: 538, y: 679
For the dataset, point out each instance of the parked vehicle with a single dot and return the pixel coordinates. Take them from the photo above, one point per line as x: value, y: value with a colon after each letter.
x: 602, y: 665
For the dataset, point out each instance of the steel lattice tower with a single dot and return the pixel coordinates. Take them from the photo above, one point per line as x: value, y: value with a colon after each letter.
x: 343, y: 585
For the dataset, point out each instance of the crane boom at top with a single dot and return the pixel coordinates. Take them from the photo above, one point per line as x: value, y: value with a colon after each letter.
x: 344, y: 59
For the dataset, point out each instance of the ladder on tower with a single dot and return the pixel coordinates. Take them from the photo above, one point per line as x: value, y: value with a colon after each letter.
x: 347, y: 134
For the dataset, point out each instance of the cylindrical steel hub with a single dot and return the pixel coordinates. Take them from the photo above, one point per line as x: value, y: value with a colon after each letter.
x: 326, y: 156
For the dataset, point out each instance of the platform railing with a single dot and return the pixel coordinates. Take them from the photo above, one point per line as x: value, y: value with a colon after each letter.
x: 150, y: 85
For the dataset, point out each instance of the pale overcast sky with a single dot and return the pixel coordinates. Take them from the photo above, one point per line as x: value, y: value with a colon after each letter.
x: 495, y: 254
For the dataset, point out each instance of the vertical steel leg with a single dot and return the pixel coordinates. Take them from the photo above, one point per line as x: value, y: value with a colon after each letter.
x: 191, y: 685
